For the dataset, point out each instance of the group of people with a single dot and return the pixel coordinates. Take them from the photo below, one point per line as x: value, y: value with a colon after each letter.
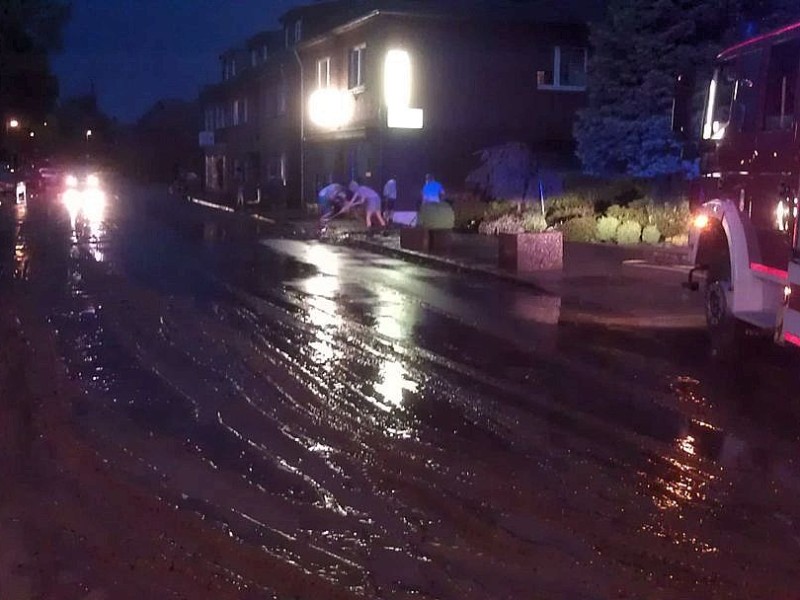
x: 335, y: 199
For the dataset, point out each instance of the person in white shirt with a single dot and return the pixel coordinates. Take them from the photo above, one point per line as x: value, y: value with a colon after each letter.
x: 432, y: 191
x: 389, y: 198
x: 330, y: 199
x: 371, y: 201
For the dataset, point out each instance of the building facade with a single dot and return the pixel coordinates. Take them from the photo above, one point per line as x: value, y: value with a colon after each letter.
x: 372, y: 89
x: 406, y: 91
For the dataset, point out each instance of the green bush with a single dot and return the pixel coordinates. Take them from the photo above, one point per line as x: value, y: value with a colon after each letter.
x: 638, y: 211
x: 651, y: 235
x: 436, y: 215
x: 534, y: 222
x: 571, y: 206
x: 500, y: 209
x: 504, y: 224
x: 607, y: 228
x: 469, y: 211
x: 672, y: 219
x: 630, y: 232
x: 582, y: 229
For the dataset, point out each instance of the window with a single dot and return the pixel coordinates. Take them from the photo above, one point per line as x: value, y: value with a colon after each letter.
x: 286, y: 40
x: 220, y: 117
x: 253, y: 57
x: 298, y: 31
x: 235, y: 112
x: 324, y: 73
x: 779, y: 111
x: 264, y: 52
x: 233, y: 67
x: 209, y: 119
x: 245, y: 111
x: 567, y: 72
x: 355, y: 73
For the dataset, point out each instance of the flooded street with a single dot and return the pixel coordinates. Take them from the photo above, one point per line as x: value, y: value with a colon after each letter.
x: 359, y: 426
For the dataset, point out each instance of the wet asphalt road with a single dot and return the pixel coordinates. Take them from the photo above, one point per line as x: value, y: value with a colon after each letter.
x: 409, y: 433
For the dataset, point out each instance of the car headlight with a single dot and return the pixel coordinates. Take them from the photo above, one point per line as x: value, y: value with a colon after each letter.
x: 71, y: 181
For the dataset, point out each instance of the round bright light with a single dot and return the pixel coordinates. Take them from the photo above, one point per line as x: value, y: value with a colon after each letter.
x: 701, y: 221
x: 330, y: 108
x: 71, y: 181
x: 13, y: 123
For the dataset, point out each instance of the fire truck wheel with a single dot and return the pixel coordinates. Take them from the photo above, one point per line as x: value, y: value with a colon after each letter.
x: 725, y: 330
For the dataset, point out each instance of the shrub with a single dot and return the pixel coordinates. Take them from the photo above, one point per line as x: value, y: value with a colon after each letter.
x: 638, y: 211
x: 534, y: 222
x: 651, y: 235
x: 469, y: 211
x: 672, y: 219
x: 500, y: 208
x: 630, y: 232
x: 571, y: 206
x: 436, y: 215
x: 679, y: 240
x: 607, y: 228
x: 582, y: 229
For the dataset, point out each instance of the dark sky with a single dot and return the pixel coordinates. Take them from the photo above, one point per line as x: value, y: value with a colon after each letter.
x: 138, y: 51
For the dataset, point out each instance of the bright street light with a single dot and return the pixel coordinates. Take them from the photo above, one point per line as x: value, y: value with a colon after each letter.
x: 32, y: 134
x: 88, y: 134
x: 13, y: 123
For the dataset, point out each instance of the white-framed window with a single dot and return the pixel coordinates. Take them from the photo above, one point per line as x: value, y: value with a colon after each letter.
x: 567, y: 72
x: 298, y: 31
x: 355, y: 67
x: 236, y: 109
x: 324, y: 72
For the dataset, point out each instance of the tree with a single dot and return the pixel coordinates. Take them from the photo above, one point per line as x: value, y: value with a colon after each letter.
x: 639, y: 49
x: 507, y: 172
x: 29, y: 31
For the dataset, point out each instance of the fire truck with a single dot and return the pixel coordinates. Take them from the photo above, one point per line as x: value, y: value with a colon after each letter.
x: 744, y: 235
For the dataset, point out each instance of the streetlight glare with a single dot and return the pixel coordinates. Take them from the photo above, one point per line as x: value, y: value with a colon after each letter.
x: 13, y: 123
x: 32, y: 134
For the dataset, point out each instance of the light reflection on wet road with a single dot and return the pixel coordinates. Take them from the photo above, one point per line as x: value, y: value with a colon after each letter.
x: 404, y: 432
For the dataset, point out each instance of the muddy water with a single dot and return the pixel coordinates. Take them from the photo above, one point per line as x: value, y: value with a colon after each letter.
x: 407, y: 433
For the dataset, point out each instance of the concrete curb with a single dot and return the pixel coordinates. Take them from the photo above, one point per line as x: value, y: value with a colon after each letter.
x: 442, y: 262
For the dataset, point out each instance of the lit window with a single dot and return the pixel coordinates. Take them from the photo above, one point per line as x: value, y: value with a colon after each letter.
x: 236, y: 108
x: 567, y: 72
x: 324, y: 73
x: 298, y: 31
x: 355, y: 73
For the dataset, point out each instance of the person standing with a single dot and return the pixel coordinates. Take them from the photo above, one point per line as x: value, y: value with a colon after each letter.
x: 371, y: 201
x: 432, y: 191
x: 389, y: 198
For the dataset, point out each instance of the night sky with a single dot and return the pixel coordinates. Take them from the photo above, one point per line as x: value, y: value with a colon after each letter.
x: 139, y: 51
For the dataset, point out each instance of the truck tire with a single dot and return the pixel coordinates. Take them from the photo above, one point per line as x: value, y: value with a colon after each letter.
x: 726, y: 332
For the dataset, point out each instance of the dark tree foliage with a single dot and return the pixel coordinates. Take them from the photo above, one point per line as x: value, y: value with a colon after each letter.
x: 638, y: 50
x: 29, y: 31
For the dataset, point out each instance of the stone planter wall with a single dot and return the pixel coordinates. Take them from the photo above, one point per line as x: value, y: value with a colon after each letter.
x: 416, y: 239
x: 531, y: 251
x: 440, y: 241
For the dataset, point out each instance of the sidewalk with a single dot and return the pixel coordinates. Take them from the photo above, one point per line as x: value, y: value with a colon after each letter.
x: 613, y: 285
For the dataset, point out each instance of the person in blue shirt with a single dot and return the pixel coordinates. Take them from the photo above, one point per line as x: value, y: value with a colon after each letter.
x: 432, y: 191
